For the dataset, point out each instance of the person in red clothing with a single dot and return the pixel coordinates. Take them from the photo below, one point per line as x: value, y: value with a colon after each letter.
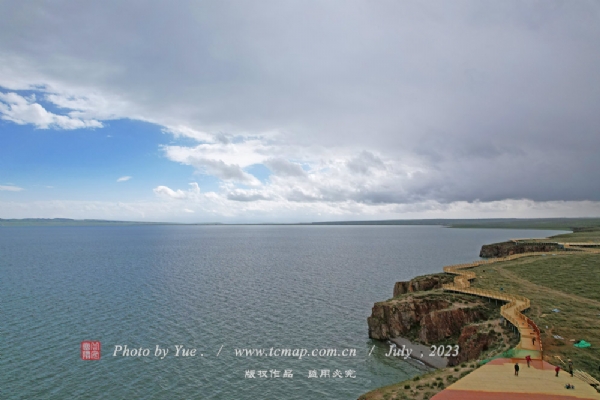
x: 528, y: 358
x: 557, y: 369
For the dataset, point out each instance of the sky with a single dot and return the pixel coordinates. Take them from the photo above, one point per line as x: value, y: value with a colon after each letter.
x: 296, y: 111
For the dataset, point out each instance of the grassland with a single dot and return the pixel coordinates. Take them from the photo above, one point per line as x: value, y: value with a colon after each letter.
x: 584, y: 235
x: 569, y: 283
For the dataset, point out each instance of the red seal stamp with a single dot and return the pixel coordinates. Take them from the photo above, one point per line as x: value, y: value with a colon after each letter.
x: 90, y: 350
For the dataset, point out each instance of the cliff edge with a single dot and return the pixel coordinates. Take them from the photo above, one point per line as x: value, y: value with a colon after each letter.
x: 421, y: 312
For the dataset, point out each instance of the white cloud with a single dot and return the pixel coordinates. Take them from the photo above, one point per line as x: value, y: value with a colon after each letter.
x: 124, y: 179
x: 185, y: 131
x: 192, y: 192
x: 213, y: 159
x: 388, y: 104
x: 22, y: 110
x: 281, y: 166
x: 214, y: 207
x: 10, y: 188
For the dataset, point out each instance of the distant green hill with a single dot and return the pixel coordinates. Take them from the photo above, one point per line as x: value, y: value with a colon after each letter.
x: 68, y: 222
x: 503, y: 223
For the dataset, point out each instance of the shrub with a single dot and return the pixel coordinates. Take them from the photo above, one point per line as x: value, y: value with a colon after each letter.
x: 406, y: 386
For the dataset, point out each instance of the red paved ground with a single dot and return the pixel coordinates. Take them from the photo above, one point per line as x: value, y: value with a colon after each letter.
x: 474, y: 395
x: 496, y: 381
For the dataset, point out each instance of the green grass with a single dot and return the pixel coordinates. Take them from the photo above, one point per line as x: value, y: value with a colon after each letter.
x: 583, y: 236
x: 569, y: 282
x: 549, y: 282
x: 574, y: 274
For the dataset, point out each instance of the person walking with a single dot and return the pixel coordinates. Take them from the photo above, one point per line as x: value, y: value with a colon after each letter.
x: 557, y: 369
x: 533, y: 341
x: 528, y: 358
x: 516, y: 369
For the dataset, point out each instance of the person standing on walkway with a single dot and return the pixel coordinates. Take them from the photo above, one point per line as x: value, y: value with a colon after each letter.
x: 516, y: 369
x: 557, y: 369
x: 528, y: 358
x: 533, y: 341
x: 571, y: 367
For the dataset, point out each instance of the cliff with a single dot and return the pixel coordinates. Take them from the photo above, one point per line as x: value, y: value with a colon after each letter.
x: 473, y: 341
x: 509, y: 248
x: 426, y: 317
x: 422, y: 283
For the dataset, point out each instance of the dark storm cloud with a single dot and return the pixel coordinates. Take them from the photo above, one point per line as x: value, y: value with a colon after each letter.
x: 364, y: 162
x: 489, y: 100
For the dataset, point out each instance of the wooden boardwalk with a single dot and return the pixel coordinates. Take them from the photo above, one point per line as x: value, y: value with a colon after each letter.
x: 481, y: 388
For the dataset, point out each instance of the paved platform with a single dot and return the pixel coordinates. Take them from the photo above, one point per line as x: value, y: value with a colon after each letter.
x: 496, y: 381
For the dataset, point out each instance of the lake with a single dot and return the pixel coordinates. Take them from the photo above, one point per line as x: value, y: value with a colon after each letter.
x: 214, y: 289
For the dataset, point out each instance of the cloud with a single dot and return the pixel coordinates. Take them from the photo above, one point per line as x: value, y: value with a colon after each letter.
x: 283, y: 167
x: 364, y: 163
x: 124, y: 179
x: 246, y: 195
x: 198, y: 158
x: 21, y: 110
x: 185, y: 131
x: 360, y: 106
x: 167, y: 192
x: 11, y: 188
x: 212, y: 207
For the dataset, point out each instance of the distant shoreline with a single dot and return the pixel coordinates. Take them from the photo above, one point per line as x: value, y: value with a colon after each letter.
x: 564, y: 224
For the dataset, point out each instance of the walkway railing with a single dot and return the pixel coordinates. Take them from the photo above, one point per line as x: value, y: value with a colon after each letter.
x: 511, y: 311
x: 515, y: 304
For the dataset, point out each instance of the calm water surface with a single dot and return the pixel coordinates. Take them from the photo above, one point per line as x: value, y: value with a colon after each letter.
x: 206, y: 287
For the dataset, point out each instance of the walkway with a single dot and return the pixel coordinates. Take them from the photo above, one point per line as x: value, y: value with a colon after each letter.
x: 495, y: 380
x: 511, y: 311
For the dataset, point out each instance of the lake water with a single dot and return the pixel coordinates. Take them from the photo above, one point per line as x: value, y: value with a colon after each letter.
x: 213, y: 288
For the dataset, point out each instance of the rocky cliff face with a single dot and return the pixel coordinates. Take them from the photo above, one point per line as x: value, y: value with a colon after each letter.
x: 472, y: 343
x: 428, y: 319
x: 510, y: 248
x: 422, y: 283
